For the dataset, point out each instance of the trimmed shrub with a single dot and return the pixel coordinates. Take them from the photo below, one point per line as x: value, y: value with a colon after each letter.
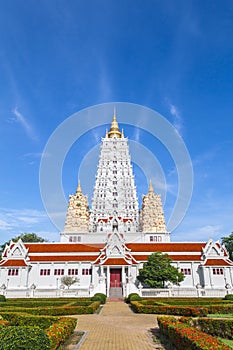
x: 21, y: 338
x: 228, y: 297
x: 128, y: 299
x: 60, y: 331
x: 2, y: 298
x: 168, y: 310
x: 56, y: 311
x: 185, y: 337
x: 20, y: 319
x: 220, y: 309
x: 215, y: 326
x: 99, y: 297
x: 135, y: 298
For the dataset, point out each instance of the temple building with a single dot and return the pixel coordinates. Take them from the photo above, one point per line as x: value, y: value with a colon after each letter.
x: 105, y: 246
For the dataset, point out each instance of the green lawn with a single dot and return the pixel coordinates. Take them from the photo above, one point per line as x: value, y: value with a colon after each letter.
x: 227, y: 342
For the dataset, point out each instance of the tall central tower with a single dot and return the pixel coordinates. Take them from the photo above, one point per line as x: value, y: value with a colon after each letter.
x: 114, y: 203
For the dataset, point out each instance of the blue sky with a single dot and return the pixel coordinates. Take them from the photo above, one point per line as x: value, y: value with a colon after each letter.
x: 59, y: 57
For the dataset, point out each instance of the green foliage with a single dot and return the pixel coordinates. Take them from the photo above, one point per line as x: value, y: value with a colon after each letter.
x: 57, y: 311
x: 228, y: 297
x: 216, y: 327
x: 99, y: 297
x: 228, y: 241
x: 25, y: 237
x: 69, y: 280
x: 60, y: 331
x: 183, y: 336
x: 135, y: 296
x: 20, y: 319
x: 158, y: 270
x: 21, y: 338
x: 138, y: 307
x: 2, y: 298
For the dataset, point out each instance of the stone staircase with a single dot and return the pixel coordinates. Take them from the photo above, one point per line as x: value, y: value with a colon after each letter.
x: 115, y: 292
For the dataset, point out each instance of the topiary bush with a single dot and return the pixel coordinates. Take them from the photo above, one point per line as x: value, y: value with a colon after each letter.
x: 228, y: 297
x: 99, y: 297
x: 133, y: 295
x: 21, y: 338
x: 2, y: 298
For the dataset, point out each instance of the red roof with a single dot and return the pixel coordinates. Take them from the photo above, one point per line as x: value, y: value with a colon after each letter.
x: 14, y: 262
x: 62, y: 247
x: 115, y: 261
x: 166, y: 247
x: 218, y: 262
x: 63, y: 258
x: 173, y: 257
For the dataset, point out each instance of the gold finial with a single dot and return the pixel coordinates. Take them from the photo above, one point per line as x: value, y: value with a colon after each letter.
x: 114, y: 130
x: 79, y: 187
x: 151, y: 190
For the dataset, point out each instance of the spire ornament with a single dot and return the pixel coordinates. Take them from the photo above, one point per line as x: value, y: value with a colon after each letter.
x: 114, y: 129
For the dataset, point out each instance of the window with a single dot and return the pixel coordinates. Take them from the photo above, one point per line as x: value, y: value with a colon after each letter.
x: 75, y: 239
x: 114, y: 171
x: 13, y: 272
x: 45, y: 272
x: 72, y: 272
x: 86, y: 271
x: 218, y: 271
x: 114, y: 182
x: 186, y: 271
x: 58, y: 272
x: 155, y: 239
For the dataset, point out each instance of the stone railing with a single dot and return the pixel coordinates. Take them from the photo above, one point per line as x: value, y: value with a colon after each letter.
x: 184, y: 292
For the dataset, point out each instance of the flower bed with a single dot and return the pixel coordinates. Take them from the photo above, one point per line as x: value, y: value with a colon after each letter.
x: 184, y: 336
x: 218, y: 327
x: 56, y: 329
x: 168, y: 309
x: 60, y: 331
x: 56, y: 311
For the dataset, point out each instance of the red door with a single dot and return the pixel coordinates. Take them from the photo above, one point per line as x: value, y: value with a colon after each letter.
x: 115, y: 278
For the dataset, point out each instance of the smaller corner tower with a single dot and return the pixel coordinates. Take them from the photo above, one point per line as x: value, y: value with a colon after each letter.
x: 77, y: 218
x: 152, y: 215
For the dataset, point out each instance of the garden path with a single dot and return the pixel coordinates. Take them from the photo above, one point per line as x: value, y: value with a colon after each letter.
x: 117, y: 328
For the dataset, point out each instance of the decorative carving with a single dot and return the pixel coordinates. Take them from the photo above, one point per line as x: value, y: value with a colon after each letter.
x: 77, y: 219
x: 152, y: 216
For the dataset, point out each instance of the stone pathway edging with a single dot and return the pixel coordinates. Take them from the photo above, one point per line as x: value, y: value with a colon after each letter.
x: 117, y: 328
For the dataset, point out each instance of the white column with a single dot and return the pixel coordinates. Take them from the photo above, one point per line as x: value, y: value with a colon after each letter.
x: 108, y: 280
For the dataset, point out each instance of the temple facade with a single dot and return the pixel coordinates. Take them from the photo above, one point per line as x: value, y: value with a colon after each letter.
x: 105, y: 246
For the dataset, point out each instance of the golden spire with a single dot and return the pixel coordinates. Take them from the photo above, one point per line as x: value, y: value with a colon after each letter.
x: 79, y: 187
x: 114, y: 130
x: 151, y: 190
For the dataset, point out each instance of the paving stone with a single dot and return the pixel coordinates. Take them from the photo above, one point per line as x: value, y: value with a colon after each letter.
x: 117, y: 328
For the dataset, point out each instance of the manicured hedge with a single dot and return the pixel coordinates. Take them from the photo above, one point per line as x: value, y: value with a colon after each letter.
x: 218, y: 327
x: 21, y: 338
x: 56, y: 311
x: 60, y: 331
x: 99, y: 297
x: 168, y: 309
x: 220, y: 309
x: 185, y: 337
x: 20, y: 319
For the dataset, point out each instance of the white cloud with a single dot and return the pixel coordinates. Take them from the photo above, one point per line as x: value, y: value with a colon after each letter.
x: 16, y: 221
x: 25, y: 124
x: 177, y: 119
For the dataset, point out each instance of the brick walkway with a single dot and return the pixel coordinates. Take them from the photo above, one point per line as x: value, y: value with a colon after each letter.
x: 117, y: 328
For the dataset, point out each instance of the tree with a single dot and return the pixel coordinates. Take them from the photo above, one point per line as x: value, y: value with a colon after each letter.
x: 158, y: 270
x: 69, y: 280
x: 228, y: 241
x: 30, y: 237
